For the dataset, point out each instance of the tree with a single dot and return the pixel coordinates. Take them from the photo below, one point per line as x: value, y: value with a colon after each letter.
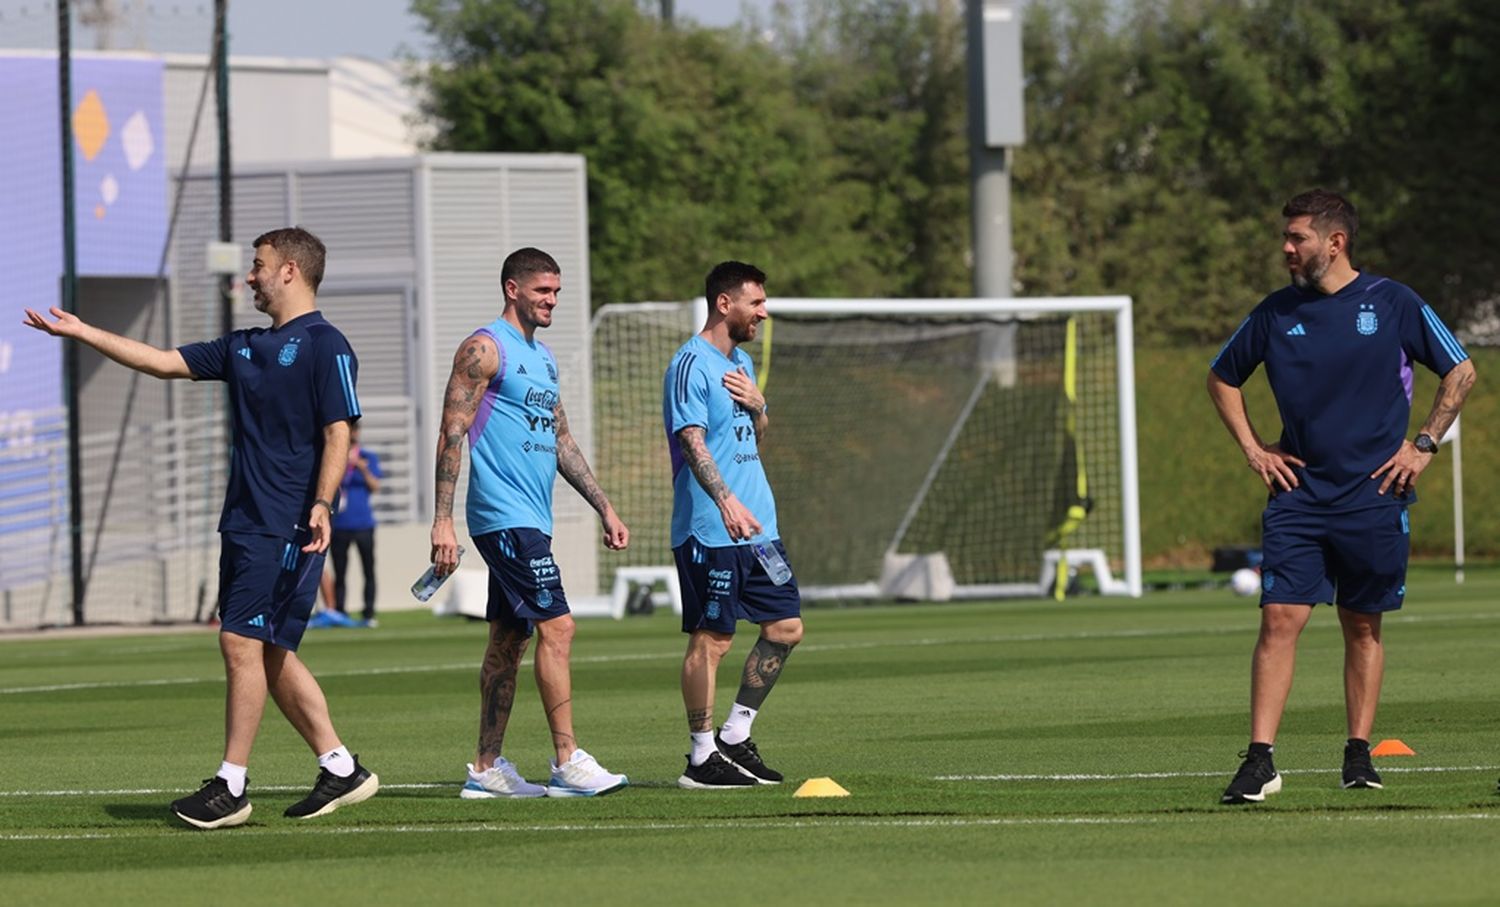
x: 697, y: 149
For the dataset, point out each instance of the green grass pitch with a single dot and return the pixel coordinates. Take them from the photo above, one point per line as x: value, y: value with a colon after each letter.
x: 1016, y: 752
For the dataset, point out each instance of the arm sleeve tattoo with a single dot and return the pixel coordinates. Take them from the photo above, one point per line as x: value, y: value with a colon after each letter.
x: 694, y: 445
x: 573, y: 467
x: 474, y: 365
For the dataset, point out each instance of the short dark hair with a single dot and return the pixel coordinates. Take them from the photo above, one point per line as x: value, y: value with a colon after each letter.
x: 523, y: 262
x: 299, y: 245
x: 728, y: 276
x: 1329, y: 211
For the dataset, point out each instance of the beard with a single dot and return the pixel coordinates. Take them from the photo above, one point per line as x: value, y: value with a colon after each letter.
x: 1311, y: 273
x: 743, y: 331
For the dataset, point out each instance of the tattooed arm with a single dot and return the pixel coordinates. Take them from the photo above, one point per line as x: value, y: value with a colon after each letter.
x: 738, y: 520
x: 573, y: 467
x: 474, y: 367
x: 1451, y: 394
x: 1407, y: 463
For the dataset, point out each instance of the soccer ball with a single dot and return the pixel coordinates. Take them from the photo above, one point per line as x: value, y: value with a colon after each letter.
x: 1245, y: 581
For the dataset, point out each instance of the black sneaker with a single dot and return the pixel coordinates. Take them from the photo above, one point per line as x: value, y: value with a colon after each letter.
x: 746, y: 758
x: 1358, y: 772
x: 332, y: 791
x: 716, y: 773
x: 213, y: 806
x: 1256, y: 778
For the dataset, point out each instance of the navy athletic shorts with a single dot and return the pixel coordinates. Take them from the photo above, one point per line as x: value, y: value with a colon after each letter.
x: 1356, y: 560
x: 267, y: 587
x: 525, y: 585
x: 721, y: 586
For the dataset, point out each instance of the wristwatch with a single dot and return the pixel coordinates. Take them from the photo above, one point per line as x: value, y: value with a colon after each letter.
x: 1425, y: 444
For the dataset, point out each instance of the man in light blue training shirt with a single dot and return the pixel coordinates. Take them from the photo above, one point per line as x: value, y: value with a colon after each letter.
x: 715, y: 417
x: 503, y: 396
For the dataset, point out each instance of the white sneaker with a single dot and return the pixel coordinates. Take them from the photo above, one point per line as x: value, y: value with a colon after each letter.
x: 499, y: 780
x: 583, y: 776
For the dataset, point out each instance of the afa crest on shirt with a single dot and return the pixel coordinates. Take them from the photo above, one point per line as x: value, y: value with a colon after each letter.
x: 288, y: 353
x: 1366, y: 322
x: 551, y: 370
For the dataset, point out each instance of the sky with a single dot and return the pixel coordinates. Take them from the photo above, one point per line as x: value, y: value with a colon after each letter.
x: 280, y: 28
x: 260, y: 27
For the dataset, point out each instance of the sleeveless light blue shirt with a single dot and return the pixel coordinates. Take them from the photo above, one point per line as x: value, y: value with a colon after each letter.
x: 513, y: 441
x: 693, y: 393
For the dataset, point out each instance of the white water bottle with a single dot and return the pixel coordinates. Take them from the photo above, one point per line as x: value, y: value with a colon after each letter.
x: 428, y: 583
x: 771, y: 559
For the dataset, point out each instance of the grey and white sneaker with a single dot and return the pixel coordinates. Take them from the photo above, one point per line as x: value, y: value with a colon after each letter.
x: 583, y: 776
x: 499, y: 780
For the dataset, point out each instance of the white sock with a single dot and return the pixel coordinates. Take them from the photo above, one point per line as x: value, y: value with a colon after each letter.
x: 337, y: 761
x: 703, y: 747
x: 235, y: 776
x: 736, y: 727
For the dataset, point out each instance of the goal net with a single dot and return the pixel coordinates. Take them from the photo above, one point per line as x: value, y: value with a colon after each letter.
x: 917, y: 448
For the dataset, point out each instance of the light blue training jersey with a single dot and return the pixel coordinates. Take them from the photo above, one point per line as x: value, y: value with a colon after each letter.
x: 693, y: 393
x: 513, y: 441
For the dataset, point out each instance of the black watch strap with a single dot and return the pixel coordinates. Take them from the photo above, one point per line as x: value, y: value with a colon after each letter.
x: 1425, y: 444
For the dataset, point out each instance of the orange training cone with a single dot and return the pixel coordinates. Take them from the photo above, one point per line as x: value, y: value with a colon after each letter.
x: 1392, y: 748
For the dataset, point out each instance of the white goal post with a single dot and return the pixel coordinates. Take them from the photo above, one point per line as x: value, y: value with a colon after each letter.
x: 918, y: 449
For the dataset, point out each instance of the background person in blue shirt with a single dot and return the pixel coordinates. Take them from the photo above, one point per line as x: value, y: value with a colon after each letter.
x: 291, y: 390
x: 354, y: 523
x: 502, y: 396
x: 715, y: 418
x: 1338, y: 345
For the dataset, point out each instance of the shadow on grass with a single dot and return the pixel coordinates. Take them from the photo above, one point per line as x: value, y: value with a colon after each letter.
x: 144, y: 813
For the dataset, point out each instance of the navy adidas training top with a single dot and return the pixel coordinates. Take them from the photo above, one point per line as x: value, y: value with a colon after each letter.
x: 1340, y: 367
x: 285, y: 385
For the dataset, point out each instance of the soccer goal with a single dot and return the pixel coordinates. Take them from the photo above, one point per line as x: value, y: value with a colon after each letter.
x: 925, y: 449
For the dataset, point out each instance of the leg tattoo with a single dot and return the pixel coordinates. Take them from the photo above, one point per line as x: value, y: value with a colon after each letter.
x: 762, y: 667
x: 700, y: 720
x: 497, y: 690
x: 561, y: 740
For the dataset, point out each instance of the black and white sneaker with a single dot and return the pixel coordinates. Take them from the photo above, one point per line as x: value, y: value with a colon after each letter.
x: 332, y: 791
x: 1256, y: 778
x: 746, y: 758
x: 716, y: 773
x: 1358, y: 772
x: 213, y: 806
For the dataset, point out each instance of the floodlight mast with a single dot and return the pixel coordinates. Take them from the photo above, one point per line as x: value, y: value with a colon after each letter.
x: 996, y: 124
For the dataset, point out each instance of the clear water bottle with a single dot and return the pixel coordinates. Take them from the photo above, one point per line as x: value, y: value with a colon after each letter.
x: 771, y: 559
x: 428, y: 583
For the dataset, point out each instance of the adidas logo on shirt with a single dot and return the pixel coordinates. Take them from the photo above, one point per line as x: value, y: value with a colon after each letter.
x: 1298, y: 331
x: 244, y: 351
x: 520, y: 370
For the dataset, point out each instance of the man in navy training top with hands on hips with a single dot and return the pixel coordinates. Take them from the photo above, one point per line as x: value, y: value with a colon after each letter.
x: 1338, y: 345
x: 291, y: 390
x: 715, y: 418
x: 502, y: 396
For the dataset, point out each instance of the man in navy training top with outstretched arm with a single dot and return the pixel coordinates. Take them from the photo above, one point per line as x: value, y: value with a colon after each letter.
x: 292, y: 395
x: 1338, y: 345
x: 502, y: 396
x: 715, y: 418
